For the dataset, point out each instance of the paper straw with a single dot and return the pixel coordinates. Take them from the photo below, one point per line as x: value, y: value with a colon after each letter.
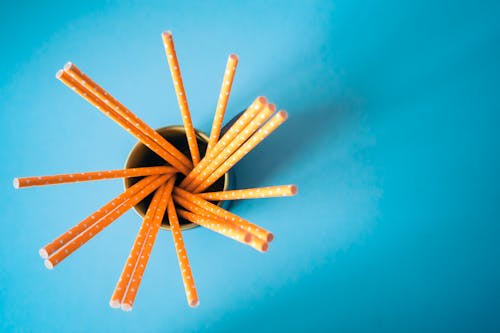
x: 251, y: 193
x: 131, y: 293
x: 123, y: 111
x: 68, y: 80
x: 250, y: 129
x: 173, y: 63
x: 228, y: 216
x: 235, y: 129
x: 225, y: 90
x: 182, y: 258
x: 90, y: 176
x: 86, y: 223
x: 131, y: 263
x: 213, y: 223
x: 89, y: 233
x: 260, y: 135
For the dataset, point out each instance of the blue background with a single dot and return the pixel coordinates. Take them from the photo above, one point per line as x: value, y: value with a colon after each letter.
x: 393, y: 139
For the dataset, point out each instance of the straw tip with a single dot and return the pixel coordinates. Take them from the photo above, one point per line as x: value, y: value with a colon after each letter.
x: 126, y: 307
x: 15, y: 183
x: 270, y: 237
x: 234, y: 57
x: 166, y: 34
x: 114, y: 304
x: 283, y: 114
x: 261, y: 100
x: 59, y: 73
x: 194, y: 303
x: 43, y: 253
x: 271, y: 107
x: 48, y: 264
x: 294, y: 189
x: 264, y: 247
x: 68, y: 65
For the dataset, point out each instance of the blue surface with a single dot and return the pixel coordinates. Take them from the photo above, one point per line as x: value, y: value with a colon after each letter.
x: 392, y: 138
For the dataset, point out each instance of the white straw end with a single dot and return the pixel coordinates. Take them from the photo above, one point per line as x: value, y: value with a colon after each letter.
x: 48, y: 264
x: 59, y: 73
x: 68, y: 66
x: 43, y: 253
x: 15, y: 182
x: 114, y: 304
x: 126, y: 307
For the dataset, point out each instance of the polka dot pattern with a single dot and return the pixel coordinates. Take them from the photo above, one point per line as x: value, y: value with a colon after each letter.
x: 135, y: 252
x: 224, y: 214
x: 251, y: 193
x: 237, y: 127
x: 227, y: 82
x: 88, y: 176
x: 60, y: 241
x: 182, y: 258
x: 212, y: 222
x: 129, y: 298
x: 79, y: 239
x: 260, y: 135
x: 249, y: 129
x: 173, y: 63
x: 112, y: 113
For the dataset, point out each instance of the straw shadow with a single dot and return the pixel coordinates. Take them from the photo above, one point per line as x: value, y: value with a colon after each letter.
x: 289, y: 143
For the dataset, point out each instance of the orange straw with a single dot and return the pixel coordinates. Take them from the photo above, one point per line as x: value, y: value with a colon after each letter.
x: 68, y: 80
x: 213, y: 223
x: 228, y: 216
x: 168, y: 42
x: 225, y: 90
x: 90, y: 232
x: 129, y: 297
x: 252, y: 193
x: 131, y: 263
x: 123, y: 111
x: 88, y: 176
x: 250, y: 129
x: 235, y: 129
x: 260, y: 135
x: 61, y: 241
x: 187, y: 275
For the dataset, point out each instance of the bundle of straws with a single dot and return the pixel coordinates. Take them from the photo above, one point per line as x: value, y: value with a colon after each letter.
x: 178, y: 186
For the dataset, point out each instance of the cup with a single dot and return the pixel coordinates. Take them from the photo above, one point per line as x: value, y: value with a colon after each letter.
x: 142, y: 156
